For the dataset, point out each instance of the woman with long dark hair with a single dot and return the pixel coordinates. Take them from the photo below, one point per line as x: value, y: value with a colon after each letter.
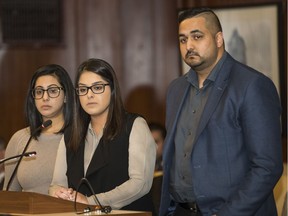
x: 112, y: 148
x: 50, y: 97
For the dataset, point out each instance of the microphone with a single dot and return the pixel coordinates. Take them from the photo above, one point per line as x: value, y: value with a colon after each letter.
x: 44, y: 125
x: 99, y: 207
x: 27, y: 154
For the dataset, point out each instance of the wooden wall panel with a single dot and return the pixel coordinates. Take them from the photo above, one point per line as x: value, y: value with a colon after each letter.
x: 18, y: 63
x: 147, y: 60
x: 182, y: 4
x: 98, y: 30
x: 135, y: 37
x: 138, y: 38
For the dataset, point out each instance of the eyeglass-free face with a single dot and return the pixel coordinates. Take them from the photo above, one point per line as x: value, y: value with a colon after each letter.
x: 53, y: 92
x: 98, y: 88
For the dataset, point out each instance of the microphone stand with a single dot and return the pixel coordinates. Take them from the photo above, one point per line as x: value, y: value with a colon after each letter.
x: 103, y: 209
x: 27, y: 154
x: 44, y: 125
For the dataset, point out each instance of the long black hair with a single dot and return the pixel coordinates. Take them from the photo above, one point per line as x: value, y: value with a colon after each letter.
x: 116, y: 108
x: 33, y: 116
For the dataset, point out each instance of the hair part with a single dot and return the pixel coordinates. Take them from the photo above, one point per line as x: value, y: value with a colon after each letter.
x: 116, y: 108
x: 33, y: 116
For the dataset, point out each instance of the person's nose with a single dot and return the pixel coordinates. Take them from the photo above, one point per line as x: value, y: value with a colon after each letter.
x: 190, y: 44
x: 90, y: 94
x: 46, y: 96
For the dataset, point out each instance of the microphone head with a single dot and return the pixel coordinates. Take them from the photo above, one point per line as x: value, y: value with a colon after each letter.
x: 29, y: 154
x: 46, y: 123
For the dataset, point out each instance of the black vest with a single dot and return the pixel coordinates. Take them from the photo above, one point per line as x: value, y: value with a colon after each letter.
x: 108, y: 167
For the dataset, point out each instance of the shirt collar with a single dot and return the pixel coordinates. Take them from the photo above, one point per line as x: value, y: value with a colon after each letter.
x: 90, y: 129
x: 192, y: 77
x: 92, y: 132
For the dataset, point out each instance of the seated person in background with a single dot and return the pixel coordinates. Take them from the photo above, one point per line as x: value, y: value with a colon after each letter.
x: 159, y: 133
x: 50, y: 97
x: 2, y: 153
x: 112, y: 148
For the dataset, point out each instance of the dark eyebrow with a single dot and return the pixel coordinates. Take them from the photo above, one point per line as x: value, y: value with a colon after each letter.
x: 195, y: 31
x: 49, y: 86
x: 181, y: 35
x: 53, y: 85
x: 95, y: 83
x: 99, y: 82
x: 191, y: 32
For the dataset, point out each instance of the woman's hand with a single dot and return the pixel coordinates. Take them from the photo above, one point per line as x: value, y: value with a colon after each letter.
x: 69, y: 194
x: 64, y: 193
x: 80, y: 198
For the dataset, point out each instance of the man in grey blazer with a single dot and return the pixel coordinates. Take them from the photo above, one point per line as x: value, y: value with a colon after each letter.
x: 222, y: 153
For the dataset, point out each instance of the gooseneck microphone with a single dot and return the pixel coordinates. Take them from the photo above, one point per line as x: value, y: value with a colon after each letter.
x: 27, y: 154
x: 99, y: 207
x: 44, y: 125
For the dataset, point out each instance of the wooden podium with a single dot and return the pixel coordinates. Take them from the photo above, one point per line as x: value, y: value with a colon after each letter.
x: 34, y: 203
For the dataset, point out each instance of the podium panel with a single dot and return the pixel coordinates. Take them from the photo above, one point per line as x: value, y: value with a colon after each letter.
x: 29, y: 203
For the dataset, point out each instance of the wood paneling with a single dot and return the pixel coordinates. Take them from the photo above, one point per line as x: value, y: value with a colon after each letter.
x: 138, y: 38
x: 182, y: 4
x: 18, y: 63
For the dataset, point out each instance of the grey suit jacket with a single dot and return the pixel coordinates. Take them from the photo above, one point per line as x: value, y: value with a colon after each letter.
x: 236, y: 158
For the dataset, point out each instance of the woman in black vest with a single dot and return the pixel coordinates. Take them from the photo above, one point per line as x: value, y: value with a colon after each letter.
x: 111, y: 148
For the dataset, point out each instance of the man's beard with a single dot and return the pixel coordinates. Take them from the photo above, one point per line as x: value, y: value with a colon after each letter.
x: 189, y: 59
x: 193, y: 64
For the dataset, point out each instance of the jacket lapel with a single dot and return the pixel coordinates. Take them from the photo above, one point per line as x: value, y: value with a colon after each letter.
x: 99, y: 159
x: 174, y: 110
x: 218, y: 89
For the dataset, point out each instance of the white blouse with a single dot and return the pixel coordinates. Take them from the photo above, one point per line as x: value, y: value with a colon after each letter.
x: 142, y: 156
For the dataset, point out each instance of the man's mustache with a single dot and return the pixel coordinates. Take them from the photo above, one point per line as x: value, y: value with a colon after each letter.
x: 190, y: 53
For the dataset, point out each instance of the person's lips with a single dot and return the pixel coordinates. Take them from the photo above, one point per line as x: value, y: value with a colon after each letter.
x: 91, y: 104
x: 45, y: 107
